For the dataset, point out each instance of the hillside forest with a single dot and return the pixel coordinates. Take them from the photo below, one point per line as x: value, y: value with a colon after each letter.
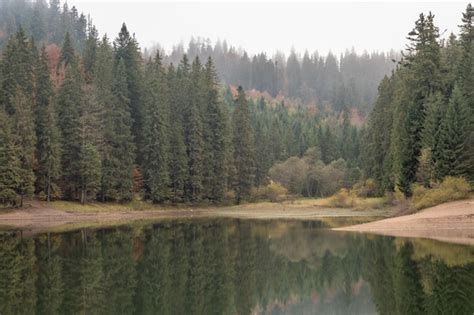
x: 86, y: 118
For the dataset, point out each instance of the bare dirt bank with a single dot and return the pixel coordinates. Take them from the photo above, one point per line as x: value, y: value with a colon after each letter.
x: 449, y: 222
x: 39, y: 217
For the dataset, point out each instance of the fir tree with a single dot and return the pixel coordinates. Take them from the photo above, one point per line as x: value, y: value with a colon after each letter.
x: 24, y: 129
x: 69, y: 104
x: 10, y: 166
x: 243, y: 147
x: 47, y: 134
x: 155, y: 149
x: 178, y: 157
x: 126, y: 49
x: 67, y: 51
x: 193, y: 132
x: 451, y: 151
x: 215, y: 136
x: 17, y: 70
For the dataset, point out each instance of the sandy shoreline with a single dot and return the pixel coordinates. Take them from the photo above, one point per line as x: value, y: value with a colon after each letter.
x: 449, y: 222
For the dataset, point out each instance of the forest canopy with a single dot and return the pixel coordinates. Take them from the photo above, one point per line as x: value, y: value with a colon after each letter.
x: 87, y: 118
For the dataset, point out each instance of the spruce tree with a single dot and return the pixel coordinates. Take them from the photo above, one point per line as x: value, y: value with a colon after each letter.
x: 126, y: 49
x: 451, y: 151
x: 191, y: 101
x: 155, y: 149
x: 47, y: 133
x: 214, y: 136
x: 89, y: 171
x: 10, y: 166
x: 24, y: 129
x: 90, y: 52
x: 17, y: 70
x: 67, y: 51
x: 243, y: 144
x: 118, y: 149
x: 178, y: 157
x: 69, y: 104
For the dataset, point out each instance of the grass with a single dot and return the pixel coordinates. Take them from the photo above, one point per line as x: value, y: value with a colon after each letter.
x: 94, y: 207
x: 347, y: 199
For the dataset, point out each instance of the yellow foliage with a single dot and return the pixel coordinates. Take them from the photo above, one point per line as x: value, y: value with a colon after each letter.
x: 272, y: 191
x: 452, y: 188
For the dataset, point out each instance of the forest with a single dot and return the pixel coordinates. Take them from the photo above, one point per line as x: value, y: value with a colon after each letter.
x: 88, y: 118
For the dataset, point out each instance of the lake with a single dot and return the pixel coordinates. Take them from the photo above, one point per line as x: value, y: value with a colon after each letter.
x: 230, y: 266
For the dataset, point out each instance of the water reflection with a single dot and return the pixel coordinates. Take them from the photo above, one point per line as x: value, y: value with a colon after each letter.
x: 231, y: 267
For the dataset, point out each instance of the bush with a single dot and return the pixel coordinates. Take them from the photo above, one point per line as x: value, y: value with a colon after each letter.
x: 365, y: 189
x: 8, y: 197
x: 452, y: 188
x: 342, y: 199
x: 272, y: 191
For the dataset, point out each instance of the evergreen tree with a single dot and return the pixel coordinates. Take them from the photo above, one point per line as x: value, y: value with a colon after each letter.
x: 126, y: 49
x: 69, y: 104
x: 47, y: 134
x: 16, y: 70
x: 90, y: 52
x: 193, y: 131
x: 178, y: 157
x: 214, y: 136
x: 118, y: 149
x: 155, y: 149
x: 451, y: 152
x: 243, y: 147
x: 89, y: 171
x: 24, y: 129
x: 67, y: 51
x: 10, y: 166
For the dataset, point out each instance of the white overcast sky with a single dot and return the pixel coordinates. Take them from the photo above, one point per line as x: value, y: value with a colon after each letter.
x: 271, y: 26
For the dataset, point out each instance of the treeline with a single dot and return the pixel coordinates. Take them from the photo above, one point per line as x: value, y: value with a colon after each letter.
x: 45, y: 22
x: 109, y: 125
x: 349, y: 80
x: 422, y: 126
x: 331, y: 81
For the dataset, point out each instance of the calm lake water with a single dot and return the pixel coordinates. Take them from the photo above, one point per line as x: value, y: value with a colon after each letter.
x: 231, y: 267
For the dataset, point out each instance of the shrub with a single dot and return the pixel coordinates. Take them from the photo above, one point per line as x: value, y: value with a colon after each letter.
x: 8, y: 197
x: 365, y: 189
x: 342, y: 199
x: 272, y: 191
x: 452, y: 188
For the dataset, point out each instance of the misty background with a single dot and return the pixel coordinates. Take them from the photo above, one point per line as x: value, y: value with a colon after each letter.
x: 270, y: 27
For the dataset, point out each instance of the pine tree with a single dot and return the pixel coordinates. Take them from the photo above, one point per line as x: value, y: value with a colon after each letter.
x: 89, y: 171
x: 214, y: 136
x: 47, y: 134
x: 24, y: 129
x: 451, y: 151
x: 10, y: 166
x: 69, y: 104
x: 17, y: 70
x: 421, y: 78
x: 466, y: 75
x: 243, y: 147
x: 178, y: 157
x: 126, y: 49
x: 117, y: 149
x: 155, y: 149
x: 90, y: 52
x: 191, y: 101
x: 67, y: 51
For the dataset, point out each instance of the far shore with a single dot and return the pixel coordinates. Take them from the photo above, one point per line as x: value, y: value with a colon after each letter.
x: 449, y: 222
